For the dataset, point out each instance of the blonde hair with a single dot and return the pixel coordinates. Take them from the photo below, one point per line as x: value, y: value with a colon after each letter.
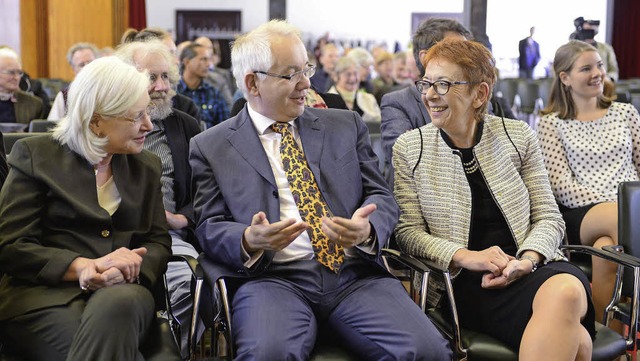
x: 107, y: 87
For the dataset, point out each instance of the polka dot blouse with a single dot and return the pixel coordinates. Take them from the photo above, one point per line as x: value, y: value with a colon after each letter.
x: 587, y: 159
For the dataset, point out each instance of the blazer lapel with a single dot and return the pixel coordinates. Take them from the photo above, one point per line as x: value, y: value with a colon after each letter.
x: 244, y: 138
x: 312, y: 133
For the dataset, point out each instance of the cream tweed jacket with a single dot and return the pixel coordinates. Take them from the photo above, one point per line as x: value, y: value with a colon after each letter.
x: 435, y: 200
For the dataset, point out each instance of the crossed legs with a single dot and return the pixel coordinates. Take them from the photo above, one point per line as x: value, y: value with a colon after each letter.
x: 554, y: 331
x: 600, y: 228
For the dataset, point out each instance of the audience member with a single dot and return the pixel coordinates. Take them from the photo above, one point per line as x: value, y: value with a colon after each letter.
x: 383, y: 67
x: 475, y: 198
x: 179, y: 101
x: 322, y: 80
x: 347, y: 76
x: 169, y: 140
x: 16, y: 106
x: 78, y: 56
x: 529, y: 51
x: 403, y: 110
x: 364, y: 60
x: 586, y: 30
x: 194, y: 64
x: 311, y: 260
x: 33, y: 87
x: 83, y: 235
x: 215, y: 61
x: 215, y: 78
x: 590, y: 144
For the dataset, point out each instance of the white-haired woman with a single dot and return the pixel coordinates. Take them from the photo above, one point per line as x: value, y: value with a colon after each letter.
x: 83, y: 234
x: 347, y: 79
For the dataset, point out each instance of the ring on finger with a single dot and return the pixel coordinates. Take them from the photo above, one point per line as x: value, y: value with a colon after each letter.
x: 339, y: 237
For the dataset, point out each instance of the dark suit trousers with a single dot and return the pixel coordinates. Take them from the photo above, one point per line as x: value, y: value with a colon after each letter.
x: 108, y: 325
x: 276, y: 316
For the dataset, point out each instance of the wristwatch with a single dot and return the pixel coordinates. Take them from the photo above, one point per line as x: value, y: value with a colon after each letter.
x: 534, y: 262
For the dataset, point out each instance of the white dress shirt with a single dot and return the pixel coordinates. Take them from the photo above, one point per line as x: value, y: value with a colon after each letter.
x: 300, y: 248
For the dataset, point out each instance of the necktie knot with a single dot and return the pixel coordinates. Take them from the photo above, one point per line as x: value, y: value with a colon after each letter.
x: 281, y: 128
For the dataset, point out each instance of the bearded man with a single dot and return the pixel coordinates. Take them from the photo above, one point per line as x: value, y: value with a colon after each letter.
x: 169, y: 140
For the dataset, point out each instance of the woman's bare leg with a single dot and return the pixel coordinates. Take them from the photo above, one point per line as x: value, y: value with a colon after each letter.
x: 600, y: 228
x: 554, y: 331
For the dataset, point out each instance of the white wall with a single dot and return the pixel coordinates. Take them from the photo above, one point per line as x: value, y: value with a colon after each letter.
x: 352, y: 19
x: 10, y: 23
x: 508, y: 21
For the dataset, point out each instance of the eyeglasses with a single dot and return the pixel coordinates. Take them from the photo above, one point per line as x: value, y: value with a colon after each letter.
x: 293, y: 77
x: 12, y: 72
x: 136, y: 120
x: 440, y: 86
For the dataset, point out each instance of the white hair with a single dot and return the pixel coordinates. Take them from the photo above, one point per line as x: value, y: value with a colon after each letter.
x: 10, y: 53
x: 130, y: 52
x: 361, y: 56
x: 105, y: 87
x: 252, y: 51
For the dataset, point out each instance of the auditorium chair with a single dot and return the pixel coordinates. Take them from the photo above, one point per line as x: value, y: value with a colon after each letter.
x: 41, y: 125
x: 476, y: 346
x: 216, y: 315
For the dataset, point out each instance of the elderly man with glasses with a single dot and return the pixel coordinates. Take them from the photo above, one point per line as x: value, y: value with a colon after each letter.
x: 289, y: 199
x: 16, y: 106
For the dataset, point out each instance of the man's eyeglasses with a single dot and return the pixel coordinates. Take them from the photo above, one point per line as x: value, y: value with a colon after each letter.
x: 293, y: 77
x: 440, y: 86
x: 12, y: 72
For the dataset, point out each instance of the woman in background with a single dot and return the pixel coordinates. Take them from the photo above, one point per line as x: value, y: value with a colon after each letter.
x: 590, y: 144
x: 347, y: 79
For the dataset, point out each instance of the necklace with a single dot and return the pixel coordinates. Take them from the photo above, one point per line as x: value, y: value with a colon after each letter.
x: 470, y: 166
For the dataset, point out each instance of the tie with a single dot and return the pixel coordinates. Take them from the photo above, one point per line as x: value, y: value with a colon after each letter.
x: 308, y: 198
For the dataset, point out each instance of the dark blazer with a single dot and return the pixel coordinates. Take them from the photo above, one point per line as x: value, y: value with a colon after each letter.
x: 233, y: 180
x: 185, y: 104
x: 28, y: 107
x: 49, y: 215
x: 179, y: 128
x: 528, y: 56
x: 402, y: 110
x: 4, y: 168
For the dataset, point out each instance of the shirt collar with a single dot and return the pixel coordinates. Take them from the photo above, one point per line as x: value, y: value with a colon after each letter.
x: 8, y: 96
x: 262, y: 123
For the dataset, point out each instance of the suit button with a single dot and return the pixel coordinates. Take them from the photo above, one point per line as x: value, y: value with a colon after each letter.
x: 275, y: 194
x: 105, y: 233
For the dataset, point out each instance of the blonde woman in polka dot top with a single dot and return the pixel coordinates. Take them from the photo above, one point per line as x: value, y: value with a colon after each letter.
x: 590, y: 144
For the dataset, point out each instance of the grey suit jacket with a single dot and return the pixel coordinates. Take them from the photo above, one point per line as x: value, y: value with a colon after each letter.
x: 49, y: 215
x: 232, y: 180
x: 28, y: 108
x: 402, y: 110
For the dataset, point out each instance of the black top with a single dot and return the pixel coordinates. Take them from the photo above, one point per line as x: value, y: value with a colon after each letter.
x: 7, y: 113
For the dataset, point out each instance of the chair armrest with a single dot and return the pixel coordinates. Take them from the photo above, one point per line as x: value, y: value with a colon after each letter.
x: 405, y: 259
x: 444, y: 275
x: 193, y: 263
x: 615, y: 254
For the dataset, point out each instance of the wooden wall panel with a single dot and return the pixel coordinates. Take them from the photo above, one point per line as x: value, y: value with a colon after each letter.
x: 34, y: 37
x: 70, y: 21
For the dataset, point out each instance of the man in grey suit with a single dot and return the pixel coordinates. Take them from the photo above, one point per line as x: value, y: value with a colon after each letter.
x: 403, y: 110
x: 249, y: 218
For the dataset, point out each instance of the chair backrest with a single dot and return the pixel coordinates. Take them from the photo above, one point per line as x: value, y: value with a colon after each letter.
x: 11, y: 138
x: 629, y: 224
x: 529, y: 94
x: 41, y: 125
x: 507, y: 88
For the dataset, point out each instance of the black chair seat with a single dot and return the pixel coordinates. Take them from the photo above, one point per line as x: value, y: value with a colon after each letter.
x: 607, y: 346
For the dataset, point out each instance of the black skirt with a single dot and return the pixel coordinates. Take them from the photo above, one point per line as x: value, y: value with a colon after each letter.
x: 573, y: 220
x: 504, y: 313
